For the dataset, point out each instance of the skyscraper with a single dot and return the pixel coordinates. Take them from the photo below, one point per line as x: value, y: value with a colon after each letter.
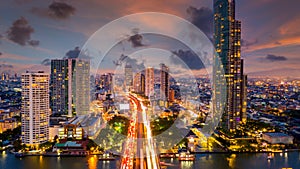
x: 227, y: 41
x: 149, y: 81
x: 70, y: 86
x: 106, y: 82
x: 82, y: 86
x: 61, y: 86
x: 35, y: 108
x: 128, y: 77
x: 139, y: 83
x: 164, y: 82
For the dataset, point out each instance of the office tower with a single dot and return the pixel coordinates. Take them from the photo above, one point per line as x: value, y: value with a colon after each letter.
x: 227, y: 41
x: 164, y: 82
x: 171, y: 95
x: 61, y: 86
x: 106, y: 82
x: 149, y: 82
x: 70, y: 89
x: 82, y: 86
x: 139, y: 83
x: 128, y: 77
x: 35, y: 108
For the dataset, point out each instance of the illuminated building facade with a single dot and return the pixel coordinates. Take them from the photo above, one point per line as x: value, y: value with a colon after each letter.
x: 164, y: 82
x: 227, y: 40
x: 70, y: 86
x: 35, y: 108
x: 139, y: 83
x: 128, y: 77
x: 149, y: 79
x: 61, y: 86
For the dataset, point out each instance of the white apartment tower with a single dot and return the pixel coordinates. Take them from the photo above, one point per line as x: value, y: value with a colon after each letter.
x: 35, y: 108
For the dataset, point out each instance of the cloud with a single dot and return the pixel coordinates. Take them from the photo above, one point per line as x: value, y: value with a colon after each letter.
x: 274, y: 58
x: 73, y: 53
x: 6, y: 66
x: 61, y: 10
x: 202, y: 18
x: 189, y: 58
x: 20, y: 32
x: 135, y: 64
x: 56, y: 10
x: 136, y: 39
x: 246, y: 43
x: 46, y: 62
x: 34, y: 43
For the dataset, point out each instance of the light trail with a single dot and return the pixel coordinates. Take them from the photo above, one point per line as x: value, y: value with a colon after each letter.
x: 139, y: 150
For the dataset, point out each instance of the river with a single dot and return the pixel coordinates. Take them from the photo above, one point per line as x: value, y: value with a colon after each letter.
x: 205, y: 161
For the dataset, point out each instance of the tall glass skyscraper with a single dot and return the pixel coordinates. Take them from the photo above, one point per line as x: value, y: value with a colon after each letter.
x: 164, y: 82
x: 227, y: 41
x: 70, y: 86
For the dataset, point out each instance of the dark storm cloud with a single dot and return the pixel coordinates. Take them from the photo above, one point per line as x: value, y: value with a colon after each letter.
x: 61, y: 10
x: 136, y: 40
x: 189, y: 58
x: 56, y: 10
x: 46, y: 62
x: 20, y: 32
x: 202, y: 18
x: 34, y: 43
x: 73, y: 53
x: 274, y: 58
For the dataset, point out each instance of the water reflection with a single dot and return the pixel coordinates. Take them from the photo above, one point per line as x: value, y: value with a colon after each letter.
x: 186, y: 164
x: 92, y: 162
x: 41, y: 162
x: 231, y: 160
x: 213, y: 161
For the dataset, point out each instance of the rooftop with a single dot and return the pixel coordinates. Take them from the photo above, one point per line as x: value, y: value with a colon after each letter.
x: 276, y: 134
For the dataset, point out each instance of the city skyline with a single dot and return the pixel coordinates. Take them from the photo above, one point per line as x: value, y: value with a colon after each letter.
x: 150, y: 84
x: 275, y: 45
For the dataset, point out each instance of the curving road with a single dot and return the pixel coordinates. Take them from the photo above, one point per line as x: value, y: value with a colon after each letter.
x: 139, y: 149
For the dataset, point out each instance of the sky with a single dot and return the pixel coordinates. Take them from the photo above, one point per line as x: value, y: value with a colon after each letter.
x: 32, y: 31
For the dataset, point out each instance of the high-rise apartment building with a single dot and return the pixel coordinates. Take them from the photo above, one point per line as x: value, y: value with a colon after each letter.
x: 139, y: 83
x: 61, y: 86
x: 227, y: 41
x: 149, y: 81
x: 105, y: 82
x: 35, y: 110
x: 70, y: 86
x: 82, y: 86
x: 128, y: 77
x: 164, y: 82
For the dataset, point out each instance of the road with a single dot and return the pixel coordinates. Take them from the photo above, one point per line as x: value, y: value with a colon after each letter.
x: 139, y: 150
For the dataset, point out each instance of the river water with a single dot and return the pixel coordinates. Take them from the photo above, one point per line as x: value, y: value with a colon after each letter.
x: 205, y: 161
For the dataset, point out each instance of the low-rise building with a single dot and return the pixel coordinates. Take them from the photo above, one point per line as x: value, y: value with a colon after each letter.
x: 8, y: 124
x: 277, y: 138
